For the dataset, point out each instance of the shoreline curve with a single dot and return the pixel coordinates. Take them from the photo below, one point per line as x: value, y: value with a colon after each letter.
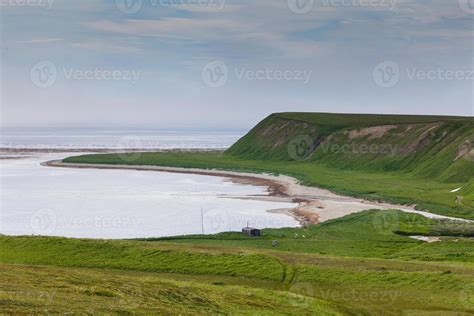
x: 315, y: 205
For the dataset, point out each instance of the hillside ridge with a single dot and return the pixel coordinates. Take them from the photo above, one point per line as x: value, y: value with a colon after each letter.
x: 438, y: 147
x: 409, y: 117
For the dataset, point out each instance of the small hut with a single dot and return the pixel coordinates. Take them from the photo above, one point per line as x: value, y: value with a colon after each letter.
x: 252, y: 232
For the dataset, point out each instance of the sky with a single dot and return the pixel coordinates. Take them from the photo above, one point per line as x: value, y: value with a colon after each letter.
x: 226, y: 64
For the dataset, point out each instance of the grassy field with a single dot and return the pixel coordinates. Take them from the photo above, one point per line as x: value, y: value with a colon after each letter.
x: 52, y: 290
x: 354, y: 265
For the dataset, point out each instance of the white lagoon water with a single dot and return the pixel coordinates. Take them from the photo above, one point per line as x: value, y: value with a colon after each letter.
x: 94, y: 203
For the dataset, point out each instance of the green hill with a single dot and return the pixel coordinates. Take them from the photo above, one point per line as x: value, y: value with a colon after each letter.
x: 438, y: 147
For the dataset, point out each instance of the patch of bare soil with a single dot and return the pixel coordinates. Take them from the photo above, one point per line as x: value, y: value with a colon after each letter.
x: 466, y: 150
x: 373, y: 131
x: 425, y: 138
x: 306, y: 212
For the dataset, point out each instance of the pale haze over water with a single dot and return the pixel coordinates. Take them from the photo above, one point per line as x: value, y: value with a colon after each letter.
x: 123, y: 138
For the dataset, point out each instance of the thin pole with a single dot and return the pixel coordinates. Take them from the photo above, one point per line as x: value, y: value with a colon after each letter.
x: 202, y: 222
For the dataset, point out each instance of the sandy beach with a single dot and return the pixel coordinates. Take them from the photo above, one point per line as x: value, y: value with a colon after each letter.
x: 315, y: 205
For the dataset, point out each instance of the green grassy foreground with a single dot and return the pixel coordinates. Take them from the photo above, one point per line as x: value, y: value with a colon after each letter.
x: 358, y: 265
x: 51, y: 290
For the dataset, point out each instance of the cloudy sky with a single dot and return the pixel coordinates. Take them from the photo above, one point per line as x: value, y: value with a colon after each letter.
x: 228, y: 63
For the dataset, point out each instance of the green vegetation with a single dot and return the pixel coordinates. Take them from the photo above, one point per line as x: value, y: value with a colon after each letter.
x: 50, y: 290
x: 400, y: 159
x: 352, y: 265
x: 125, y: 255
x: 369, y: 234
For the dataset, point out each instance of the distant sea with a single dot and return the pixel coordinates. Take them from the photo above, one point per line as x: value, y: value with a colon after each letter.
x: 117, y: 139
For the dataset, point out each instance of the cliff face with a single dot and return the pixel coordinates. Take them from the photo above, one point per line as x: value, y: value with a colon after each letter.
x: 424, y: 146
